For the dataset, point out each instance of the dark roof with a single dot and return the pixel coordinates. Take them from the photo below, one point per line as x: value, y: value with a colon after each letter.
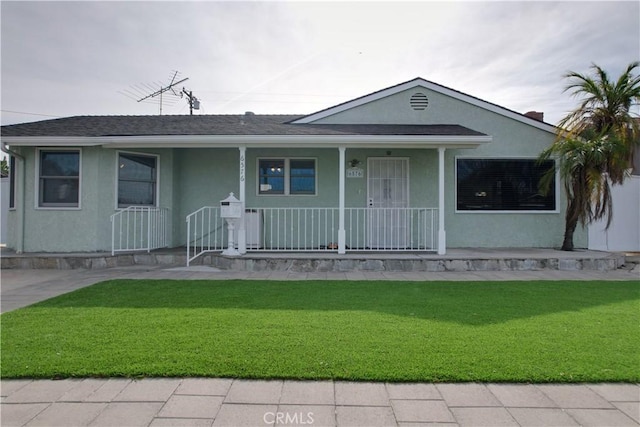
x: 247, y: 124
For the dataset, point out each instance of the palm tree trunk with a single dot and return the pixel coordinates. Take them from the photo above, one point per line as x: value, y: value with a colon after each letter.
x: 571, y: 221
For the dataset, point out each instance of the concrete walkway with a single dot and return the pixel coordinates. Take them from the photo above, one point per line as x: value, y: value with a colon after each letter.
x: 226, y: 402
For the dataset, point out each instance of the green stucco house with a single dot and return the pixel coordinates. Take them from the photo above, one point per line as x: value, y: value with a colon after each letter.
x: 413, y: 167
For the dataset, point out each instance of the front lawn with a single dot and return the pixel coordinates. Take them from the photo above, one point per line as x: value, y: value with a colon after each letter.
x: 386, y: 331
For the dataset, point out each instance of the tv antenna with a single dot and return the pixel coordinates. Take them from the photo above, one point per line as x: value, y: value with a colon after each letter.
x: 140, y: 92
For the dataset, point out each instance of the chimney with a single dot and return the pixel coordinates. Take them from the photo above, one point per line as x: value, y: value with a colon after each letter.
x: 535, y: 115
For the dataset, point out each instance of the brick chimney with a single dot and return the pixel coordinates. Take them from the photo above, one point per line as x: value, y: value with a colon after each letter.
x: 536, y: 115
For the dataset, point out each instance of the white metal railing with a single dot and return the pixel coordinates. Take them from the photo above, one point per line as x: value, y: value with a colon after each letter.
x: 391, y: 229
x: 316, y: 230
x: 206, y: 232
x: 292, y: 229
x: 139, y: 228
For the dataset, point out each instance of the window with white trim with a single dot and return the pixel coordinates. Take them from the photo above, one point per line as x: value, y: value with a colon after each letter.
x: 503, y: 185
x: 59, y: 178
x: 287, y: 176
x: 137, y: 180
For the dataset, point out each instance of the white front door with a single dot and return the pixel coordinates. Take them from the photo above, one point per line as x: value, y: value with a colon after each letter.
x: 387, y: 196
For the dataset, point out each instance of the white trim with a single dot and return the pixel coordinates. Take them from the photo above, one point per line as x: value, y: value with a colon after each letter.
x: 425, y: 84
x: 342, y: 233
x: 442, y: 233
x: 259, y: 141
x: 117, y: 178
x: 287, y: 176
x: 37, y: 181
x: 477, y: 212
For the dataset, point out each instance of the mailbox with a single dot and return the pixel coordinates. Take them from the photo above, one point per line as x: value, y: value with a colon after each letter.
x: 231, y: 207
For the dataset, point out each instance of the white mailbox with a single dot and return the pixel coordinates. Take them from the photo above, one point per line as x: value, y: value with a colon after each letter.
x: 231, y: 207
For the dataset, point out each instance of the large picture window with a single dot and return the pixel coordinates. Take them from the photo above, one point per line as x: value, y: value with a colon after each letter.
x: 137, y: 180
x: 503, y: 185
x: 59, y: 178
x: 287, y: 176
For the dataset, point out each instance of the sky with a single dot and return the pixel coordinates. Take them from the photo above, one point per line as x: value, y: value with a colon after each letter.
x: 63, y: 59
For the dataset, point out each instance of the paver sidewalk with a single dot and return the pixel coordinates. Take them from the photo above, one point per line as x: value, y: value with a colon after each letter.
x: 226, y: 402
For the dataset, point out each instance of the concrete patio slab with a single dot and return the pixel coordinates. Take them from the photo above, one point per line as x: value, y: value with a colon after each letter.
x: 365, y: 416
x: 308, y: 392
x: 19, y: 414
x: 37, y: 391
x: 184, y: 406
x: 244, y: 391
x: 306, y: 415
x: 631, y: 409
x: 536, y: 417
x: 67, y: 414
x: 572, y: 396
x: 485, y: 417
x: 363, y: 394
x: 151, y: 390
x: 467, y: 395
x: 516, y: 395
x: 181, y: 422
x: 413, y: 391
x: 421, y: 411
x: 241, y: 415
x: 617, y: 392
x: 109, y: 390
x: 205, y: 386
x: 132, y: 414
x: 601, y: 417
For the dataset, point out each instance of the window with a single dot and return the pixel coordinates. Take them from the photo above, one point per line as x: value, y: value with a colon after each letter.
x: 287, y: 176
x: 59, y: 178
x: 137, y: 180
x: 12, y: 182
x: 503, y: 185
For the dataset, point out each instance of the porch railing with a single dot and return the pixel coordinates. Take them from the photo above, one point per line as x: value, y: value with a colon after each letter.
x: 206, y: 232
x: 292, y: 229
x: 391, y: 229
x: 139, y: 228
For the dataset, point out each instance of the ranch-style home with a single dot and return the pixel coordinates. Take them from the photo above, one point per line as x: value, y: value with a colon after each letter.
x: 413, y: 167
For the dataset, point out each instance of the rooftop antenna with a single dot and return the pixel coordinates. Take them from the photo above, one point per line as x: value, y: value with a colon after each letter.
x: 140, y: 92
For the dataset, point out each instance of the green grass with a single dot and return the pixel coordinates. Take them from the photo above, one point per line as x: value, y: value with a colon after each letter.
x: 393, y: 331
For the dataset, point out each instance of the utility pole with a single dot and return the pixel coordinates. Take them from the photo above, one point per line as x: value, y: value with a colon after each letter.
x: 194, y: 104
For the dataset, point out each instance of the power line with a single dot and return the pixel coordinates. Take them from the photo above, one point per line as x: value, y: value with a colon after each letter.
x: 30, y: 114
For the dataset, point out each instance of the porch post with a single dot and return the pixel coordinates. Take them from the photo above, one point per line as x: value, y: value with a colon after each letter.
x: 442, y: 235
x: 341, y: 232
x: 242, y: 230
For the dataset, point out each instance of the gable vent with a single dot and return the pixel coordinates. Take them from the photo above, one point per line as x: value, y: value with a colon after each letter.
x: 419, y: 101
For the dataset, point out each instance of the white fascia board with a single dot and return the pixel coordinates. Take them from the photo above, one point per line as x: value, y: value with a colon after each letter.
x: 299, y: 141
x: 431, y: 86
x: 53, y: 141
x: 253, y: 141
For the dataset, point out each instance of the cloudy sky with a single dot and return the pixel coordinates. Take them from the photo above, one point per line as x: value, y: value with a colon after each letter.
x: 78, y: 58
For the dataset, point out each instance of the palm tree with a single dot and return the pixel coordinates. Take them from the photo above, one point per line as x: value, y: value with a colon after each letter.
x: 595, y: 145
